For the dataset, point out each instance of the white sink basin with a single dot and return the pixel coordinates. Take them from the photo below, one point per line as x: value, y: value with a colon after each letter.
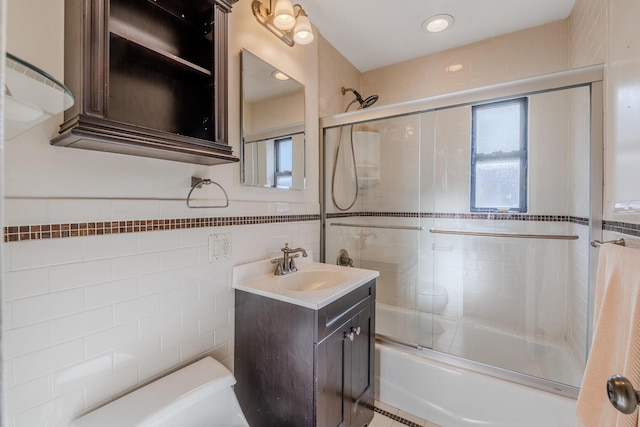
x: 314, y: 285
x: 311, y: 280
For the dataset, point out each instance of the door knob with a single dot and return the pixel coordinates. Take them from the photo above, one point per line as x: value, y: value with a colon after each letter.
x: 622, y: 395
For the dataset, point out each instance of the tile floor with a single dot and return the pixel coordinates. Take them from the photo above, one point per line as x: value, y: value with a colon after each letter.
x: 380, y: 420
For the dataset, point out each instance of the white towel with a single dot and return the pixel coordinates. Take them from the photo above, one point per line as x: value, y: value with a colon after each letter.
x: 615, y: 348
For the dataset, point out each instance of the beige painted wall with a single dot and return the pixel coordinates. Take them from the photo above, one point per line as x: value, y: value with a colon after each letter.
x: 334, y: 72
x: 531, y: 52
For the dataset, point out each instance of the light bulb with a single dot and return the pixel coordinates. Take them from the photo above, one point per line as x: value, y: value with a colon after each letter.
x: 437, y: 23
x: 283, y: 17
x: 303, y: 34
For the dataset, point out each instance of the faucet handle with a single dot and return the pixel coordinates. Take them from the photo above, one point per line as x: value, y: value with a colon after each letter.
x: 279, y: 266
x: 292, y: 265
x: 286, y: 248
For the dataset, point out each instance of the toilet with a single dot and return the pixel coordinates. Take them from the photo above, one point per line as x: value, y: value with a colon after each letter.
x: 432, y: 298
x: 197, y: 395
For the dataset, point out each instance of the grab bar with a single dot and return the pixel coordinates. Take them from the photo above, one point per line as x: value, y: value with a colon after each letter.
x: 598, y: 243
x: 505, y: 234
x: 392, y: 227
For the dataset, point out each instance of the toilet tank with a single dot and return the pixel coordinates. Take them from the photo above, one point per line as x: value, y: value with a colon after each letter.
x: 197, y: 395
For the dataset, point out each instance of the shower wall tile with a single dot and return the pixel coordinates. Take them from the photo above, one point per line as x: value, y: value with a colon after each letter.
x: 578, y: 294
x: 579, y: 151
x: 549, y: 190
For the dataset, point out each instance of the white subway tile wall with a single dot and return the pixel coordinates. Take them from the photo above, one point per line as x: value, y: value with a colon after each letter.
x: 90, y: 318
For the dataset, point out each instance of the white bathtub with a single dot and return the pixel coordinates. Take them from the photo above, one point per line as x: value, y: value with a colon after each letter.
x: 456, y: 397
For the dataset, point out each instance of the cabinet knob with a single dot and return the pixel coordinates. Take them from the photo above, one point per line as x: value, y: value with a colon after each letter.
x: 355, y: 330
x: 349, y: 335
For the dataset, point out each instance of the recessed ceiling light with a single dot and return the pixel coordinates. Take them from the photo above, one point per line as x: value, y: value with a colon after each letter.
x: 437, y: 23
x: 453, y: 68
x: 279, y: 75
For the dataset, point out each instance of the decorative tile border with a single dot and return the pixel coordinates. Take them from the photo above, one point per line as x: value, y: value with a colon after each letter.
x: 473, y: 216
x: 55, y: 231
x: 628, y: 228
x: 397, y: 418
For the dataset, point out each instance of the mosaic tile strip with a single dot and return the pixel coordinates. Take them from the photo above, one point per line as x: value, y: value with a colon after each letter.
x: 55, y: 231
x: 630, y: 229
x: 474, y: 216
x: 397, y: 418
x: 579, y: 220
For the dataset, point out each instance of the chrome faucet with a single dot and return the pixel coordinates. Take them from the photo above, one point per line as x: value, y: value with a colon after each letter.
x: 286, y: 265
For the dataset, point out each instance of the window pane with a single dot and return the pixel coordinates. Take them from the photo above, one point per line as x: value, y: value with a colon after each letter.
x: 283, y: 181
x: 285, y: 155
x: 497, y: 184
x: 497, y: 128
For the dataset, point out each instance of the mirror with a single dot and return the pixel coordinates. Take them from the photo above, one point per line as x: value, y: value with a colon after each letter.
x: 273, y: 146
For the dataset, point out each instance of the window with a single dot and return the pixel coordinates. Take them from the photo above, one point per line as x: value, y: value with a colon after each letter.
x: 284, y: 162
x: 499, y: 156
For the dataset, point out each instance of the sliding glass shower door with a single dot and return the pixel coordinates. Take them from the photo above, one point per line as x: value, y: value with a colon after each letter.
x: 510, y: 235
x: 373, y: 200
x: 478, y: 216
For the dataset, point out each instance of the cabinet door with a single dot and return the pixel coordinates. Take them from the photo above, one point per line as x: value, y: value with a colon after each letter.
x: 359, y: 394
x: 346, y: 373
x: 331, y: 408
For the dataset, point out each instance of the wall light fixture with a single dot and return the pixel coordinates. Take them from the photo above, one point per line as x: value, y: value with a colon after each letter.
x: 288, y: 22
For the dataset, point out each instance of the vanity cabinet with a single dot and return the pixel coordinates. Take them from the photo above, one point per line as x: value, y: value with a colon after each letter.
x: 299, y: 367
x: 149, y: 78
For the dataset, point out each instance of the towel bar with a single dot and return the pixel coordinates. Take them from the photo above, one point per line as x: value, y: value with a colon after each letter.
x: 598, y: 243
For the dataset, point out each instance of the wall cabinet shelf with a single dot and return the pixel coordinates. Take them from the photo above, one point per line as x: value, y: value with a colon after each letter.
x: 306, y: 368
x: 150, y: 77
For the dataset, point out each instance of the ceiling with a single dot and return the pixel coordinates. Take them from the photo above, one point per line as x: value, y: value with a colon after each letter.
x: 375, y: 33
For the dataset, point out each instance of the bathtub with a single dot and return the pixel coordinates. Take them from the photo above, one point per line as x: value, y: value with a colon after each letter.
x: 455, y: 397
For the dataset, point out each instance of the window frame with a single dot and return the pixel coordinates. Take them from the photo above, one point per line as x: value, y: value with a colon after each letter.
x: 521, y: 154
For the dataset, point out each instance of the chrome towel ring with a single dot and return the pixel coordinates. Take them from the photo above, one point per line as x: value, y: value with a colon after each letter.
x: 198, y: 183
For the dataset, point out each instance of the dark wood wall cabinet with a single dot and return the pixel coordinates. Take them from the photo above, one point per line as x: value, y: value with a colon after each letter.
x: 149, y: 78
x: 299, y: 367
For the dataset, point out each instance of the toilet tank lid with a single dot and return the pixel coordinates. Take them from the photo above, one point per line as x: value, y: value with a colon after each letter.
x: 173, y: 393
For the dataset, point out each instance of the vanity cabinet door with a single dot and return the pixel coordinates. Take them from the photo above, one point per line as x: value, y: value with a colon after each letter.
x: 346, y: 373
x: 332, y: 354
x: 360, y: 373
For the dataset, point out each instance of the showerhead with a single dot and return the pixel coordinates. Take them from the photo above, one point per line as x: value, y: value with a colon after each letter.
x: 369, y: 101
x: 364, y: 103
